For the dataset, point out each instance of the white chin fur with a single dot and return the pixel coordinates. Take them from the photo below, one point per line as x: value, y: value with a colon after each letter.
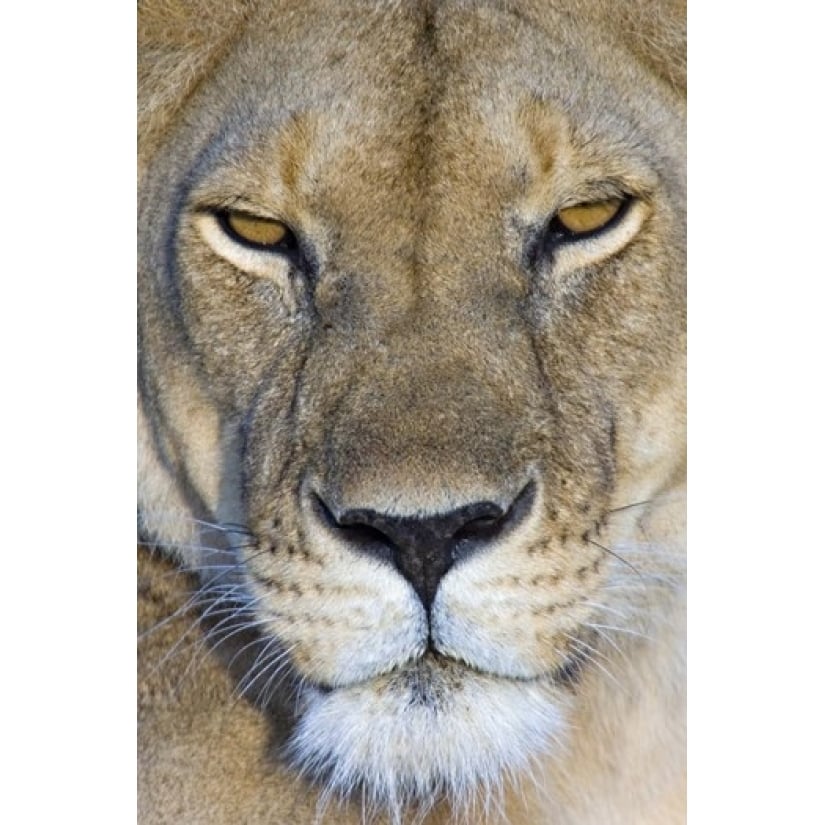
x: 423, y: 732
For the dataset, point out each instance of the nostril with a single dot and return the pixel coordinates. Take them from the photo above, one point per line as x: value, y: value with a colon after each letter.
x: 356, y: 532
x: 480, y: 529
x: 493, y: 524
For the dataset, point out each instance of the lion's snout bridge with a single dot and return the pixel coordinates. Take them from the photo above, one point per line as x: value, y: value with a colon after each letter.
x: 423, y: 548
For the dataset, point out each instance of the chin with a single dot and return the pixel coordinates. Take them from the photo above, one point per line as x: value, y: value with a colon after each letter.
x: 431, y: 730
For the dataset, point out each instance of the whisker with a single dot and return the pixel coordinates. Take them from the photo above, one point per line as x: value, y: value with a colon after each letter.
x: 626, y: 630
x: 594, y: 650
x: 234, y: 609
x: 177, y: 614
x: 276, y: 683
x: 223, y: 598
x: 615, y: 556
x: 652, y: 549
x: 658, y: 500
x: 177, y: 516
x: 226, y: 526
x: 279, y: 676
x: 612, y: 642
x: 278, y: 659
x: 259, y: 640
x: 600, y: 606
x: 186, y: 607
x: 203, y: 570
x: 651, y: 582
x: 197, y: 547
x: 577, y: 645
x: 209, y: 645
x: 630, y: 506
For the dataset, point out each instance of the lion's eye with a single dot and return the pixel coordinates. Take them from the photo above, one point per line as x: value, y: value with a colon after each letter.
x: 261, y: 233
x: 584, y: 218
x: 589, y: 231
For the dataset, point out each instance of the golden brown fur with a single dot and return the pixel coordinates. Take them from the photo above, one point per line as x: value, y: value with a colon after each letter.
x: 428, y: 351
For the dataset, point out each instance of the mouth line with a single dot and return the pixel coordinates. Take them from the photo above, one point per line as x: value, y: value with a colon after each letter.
x: 564, y: 675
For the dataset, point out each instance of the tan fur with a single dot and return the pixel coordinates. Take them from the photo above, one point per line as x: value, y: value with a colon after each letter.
x: 423, y: 355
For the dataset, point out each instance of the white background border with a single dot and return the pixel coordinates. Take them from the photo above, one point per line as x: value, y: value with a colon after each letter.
x: 67, y: 343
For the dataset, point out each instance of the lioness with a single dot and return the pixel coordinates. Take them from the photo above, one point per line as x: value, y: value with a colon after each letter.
x: 412, y: 410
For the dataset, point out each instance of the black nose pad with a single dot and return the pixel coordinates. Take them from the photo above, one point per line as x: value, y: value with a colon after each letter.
x: 425, y: 548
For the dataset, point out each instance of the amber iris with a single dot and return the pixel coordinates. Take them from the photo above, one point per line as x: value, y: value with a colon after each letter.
x: 589, y: 217
x: 264, y: 232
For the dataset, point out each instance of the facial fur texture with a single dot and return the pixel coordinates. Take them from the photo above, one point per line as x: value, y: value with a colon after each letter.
x: 426, y: 461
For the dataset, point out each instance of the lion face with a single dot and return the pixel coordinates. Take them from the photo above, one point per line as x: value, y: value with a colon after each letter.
x: 412, y: 301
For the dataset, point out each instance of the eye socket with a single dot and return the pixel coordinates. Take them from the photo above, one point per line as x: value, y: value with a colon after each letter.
x: 266, y: 234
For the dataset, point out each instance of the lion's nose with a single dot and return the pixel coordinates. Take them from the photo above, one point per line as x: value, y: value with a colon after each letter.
x: 425, y: 548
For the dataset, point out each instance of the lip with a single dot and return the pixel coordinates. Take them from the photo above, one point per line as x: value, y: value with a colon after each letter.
x: 432, y: 666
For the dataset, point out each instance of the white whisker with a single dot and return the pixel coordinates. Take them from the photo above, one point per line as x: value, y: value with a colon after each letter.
x: 625, y: 630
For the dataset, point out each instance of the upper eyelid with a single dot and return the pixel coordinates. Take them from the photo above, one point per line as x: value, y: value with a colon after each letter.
x: 586, y: 197
x: 222, y: 215
x: 625, y: 205
x: 237, y: 203
x: 592, y: 190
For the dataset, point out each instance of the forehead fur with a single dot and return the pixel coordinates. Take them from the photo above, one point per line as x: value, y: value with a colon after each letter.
x: 181, y: 42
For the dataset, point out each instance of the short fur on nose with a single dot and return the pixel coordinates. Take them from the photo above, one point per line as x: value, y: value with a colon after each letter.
x: 424, y: 548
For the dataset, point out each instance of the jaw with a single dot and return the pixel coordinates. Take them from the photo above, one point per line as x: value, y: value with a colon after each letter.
x: 429, y: 730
